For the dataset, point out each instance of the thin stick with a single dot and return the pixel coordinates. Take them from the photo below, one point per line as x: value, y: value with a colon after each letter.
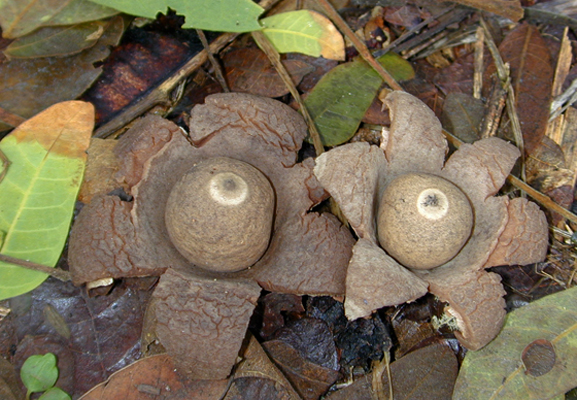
x: 478, y: 74
x: 5, y: 164
x: 359, y: 45
x: 213, y: 62
x: 539, y: 197
x: 57, y: 273
x: 274, y: 58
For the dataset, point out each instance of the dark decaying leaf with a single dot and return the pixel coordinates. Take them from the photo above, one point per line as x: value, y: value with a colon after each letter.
x: 256, y: 377
x: 250, y: 71
x: 462, y: 115
x: 133, y: 68
x: 58, y: 79
x: 9, y: 381
x: 531, y: 77
x: 276, y: 306
x: 155, y: 377
x: 428, y: 373
x: 104, y: 331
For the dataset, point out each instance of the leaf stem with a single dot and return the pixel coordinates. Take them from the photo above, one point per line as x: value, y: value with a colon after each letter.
x: 57, y: 273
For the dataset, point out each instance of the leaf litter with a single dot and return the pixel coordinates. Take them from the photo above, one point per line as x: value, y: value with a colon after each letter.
x: 538, y: 357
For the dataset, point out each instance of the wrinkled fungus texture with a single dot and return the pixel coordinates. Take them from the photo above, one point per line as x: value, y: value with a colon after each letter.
x: 506, y: 231
x: 308, y: 252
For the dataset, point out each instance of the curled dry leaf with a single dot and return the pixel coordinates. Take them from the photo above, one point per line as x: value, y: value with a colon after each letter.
x: 307, y: 254
x: 504, y: 232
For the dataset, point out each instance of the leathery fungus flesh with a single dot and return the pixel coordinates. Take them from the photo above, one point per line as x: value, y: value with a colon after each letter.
x: 489, y: 230
x: 246, y: 146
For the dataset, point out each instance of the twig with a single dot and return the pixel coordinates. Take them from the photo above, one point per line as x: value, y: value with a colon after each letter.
x: 478, y: 73
x: 213, y: 62
x: 539, y: 197
x: 274, y: 58
x: 57, y: 273
x: 503, y: 73
x: 359, y: 45
x: 5, y: 164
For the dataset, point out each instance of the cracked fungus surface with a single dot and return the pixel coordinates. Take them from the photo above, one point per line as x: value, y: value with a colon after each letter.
x: 505, y: 232
x: 201, y: 316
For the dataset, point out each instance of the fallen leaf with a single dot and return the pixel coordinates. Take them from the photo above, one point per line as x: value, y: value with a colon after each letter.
x: 58, y: 79
x: 57, y: 41
x: 223, y: 15
x: 340, y: 99
x: 38, y: 193
x: 156, y: 378
x: 499, y: 371
x: 539, y: 357
x: 78, y: 11
x: 250, y: 71
x: 19, y: 17
x: 9, y: 383
x: 532, y: 78
x: 462, y: 115
x: 306, y: 32
x: 428, y: 373
x: 506, y: 8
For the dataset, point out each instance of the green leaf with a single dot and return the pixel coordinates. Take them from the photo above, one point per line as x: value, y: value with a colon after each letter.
x: 306, y: 32
x: 340, y: 99
x: 211, y: 15
x: 56, y: 41
x: 39, y: 373
x: 38, y: 193
x: 19, y: 17
x: 79, y: 11
x: 55, y: 394
x: 505, y: 368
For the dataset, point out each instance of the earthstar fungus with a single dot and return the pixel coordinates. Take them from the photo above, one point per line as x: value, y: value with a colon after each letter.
x: 201, y: 311
x: 504, y: 231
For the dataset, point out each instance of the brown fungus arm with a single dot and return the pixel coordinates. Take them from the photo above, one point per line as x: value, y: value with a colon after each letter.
x: 480, y: 169
x: 376, y: 280
x: 202, y: 321
x: 415, y: 142
x: 477, y: 304
x: 350, y: 173
x: 525, y: 238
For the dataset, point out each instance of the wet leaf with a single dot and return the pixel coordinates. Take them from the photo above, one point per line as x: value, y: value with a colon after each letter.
x: 57, y: 79
x: 250, y: 71
x: 506, y: 8
x: 78, y: 11
x: 19, y: 17
x: 532, y: 78
x: 341, y: 98
x: 462, y: 115
x: 510, y: 367
x: 155, y: 377
x: 38, y: 193
x: 220, y: 15
x: 39, y: 372
x: 306, y: 32
x: 56, y: 41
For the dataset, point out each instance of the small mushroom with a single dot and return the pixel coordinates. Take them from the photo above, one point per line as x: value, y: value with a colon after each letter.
x: 219, y: 214
x: 504, y: 231
x: 202, y: 307
x: 424, y: 220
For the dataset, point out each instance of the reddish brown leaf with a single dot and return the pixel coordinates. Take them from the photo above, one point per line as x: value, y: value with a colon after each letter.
x: 133, y: 68
x: 155, y: 378
x: 532, y: 77
x: 506, y: 8
x: 249, y: 71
